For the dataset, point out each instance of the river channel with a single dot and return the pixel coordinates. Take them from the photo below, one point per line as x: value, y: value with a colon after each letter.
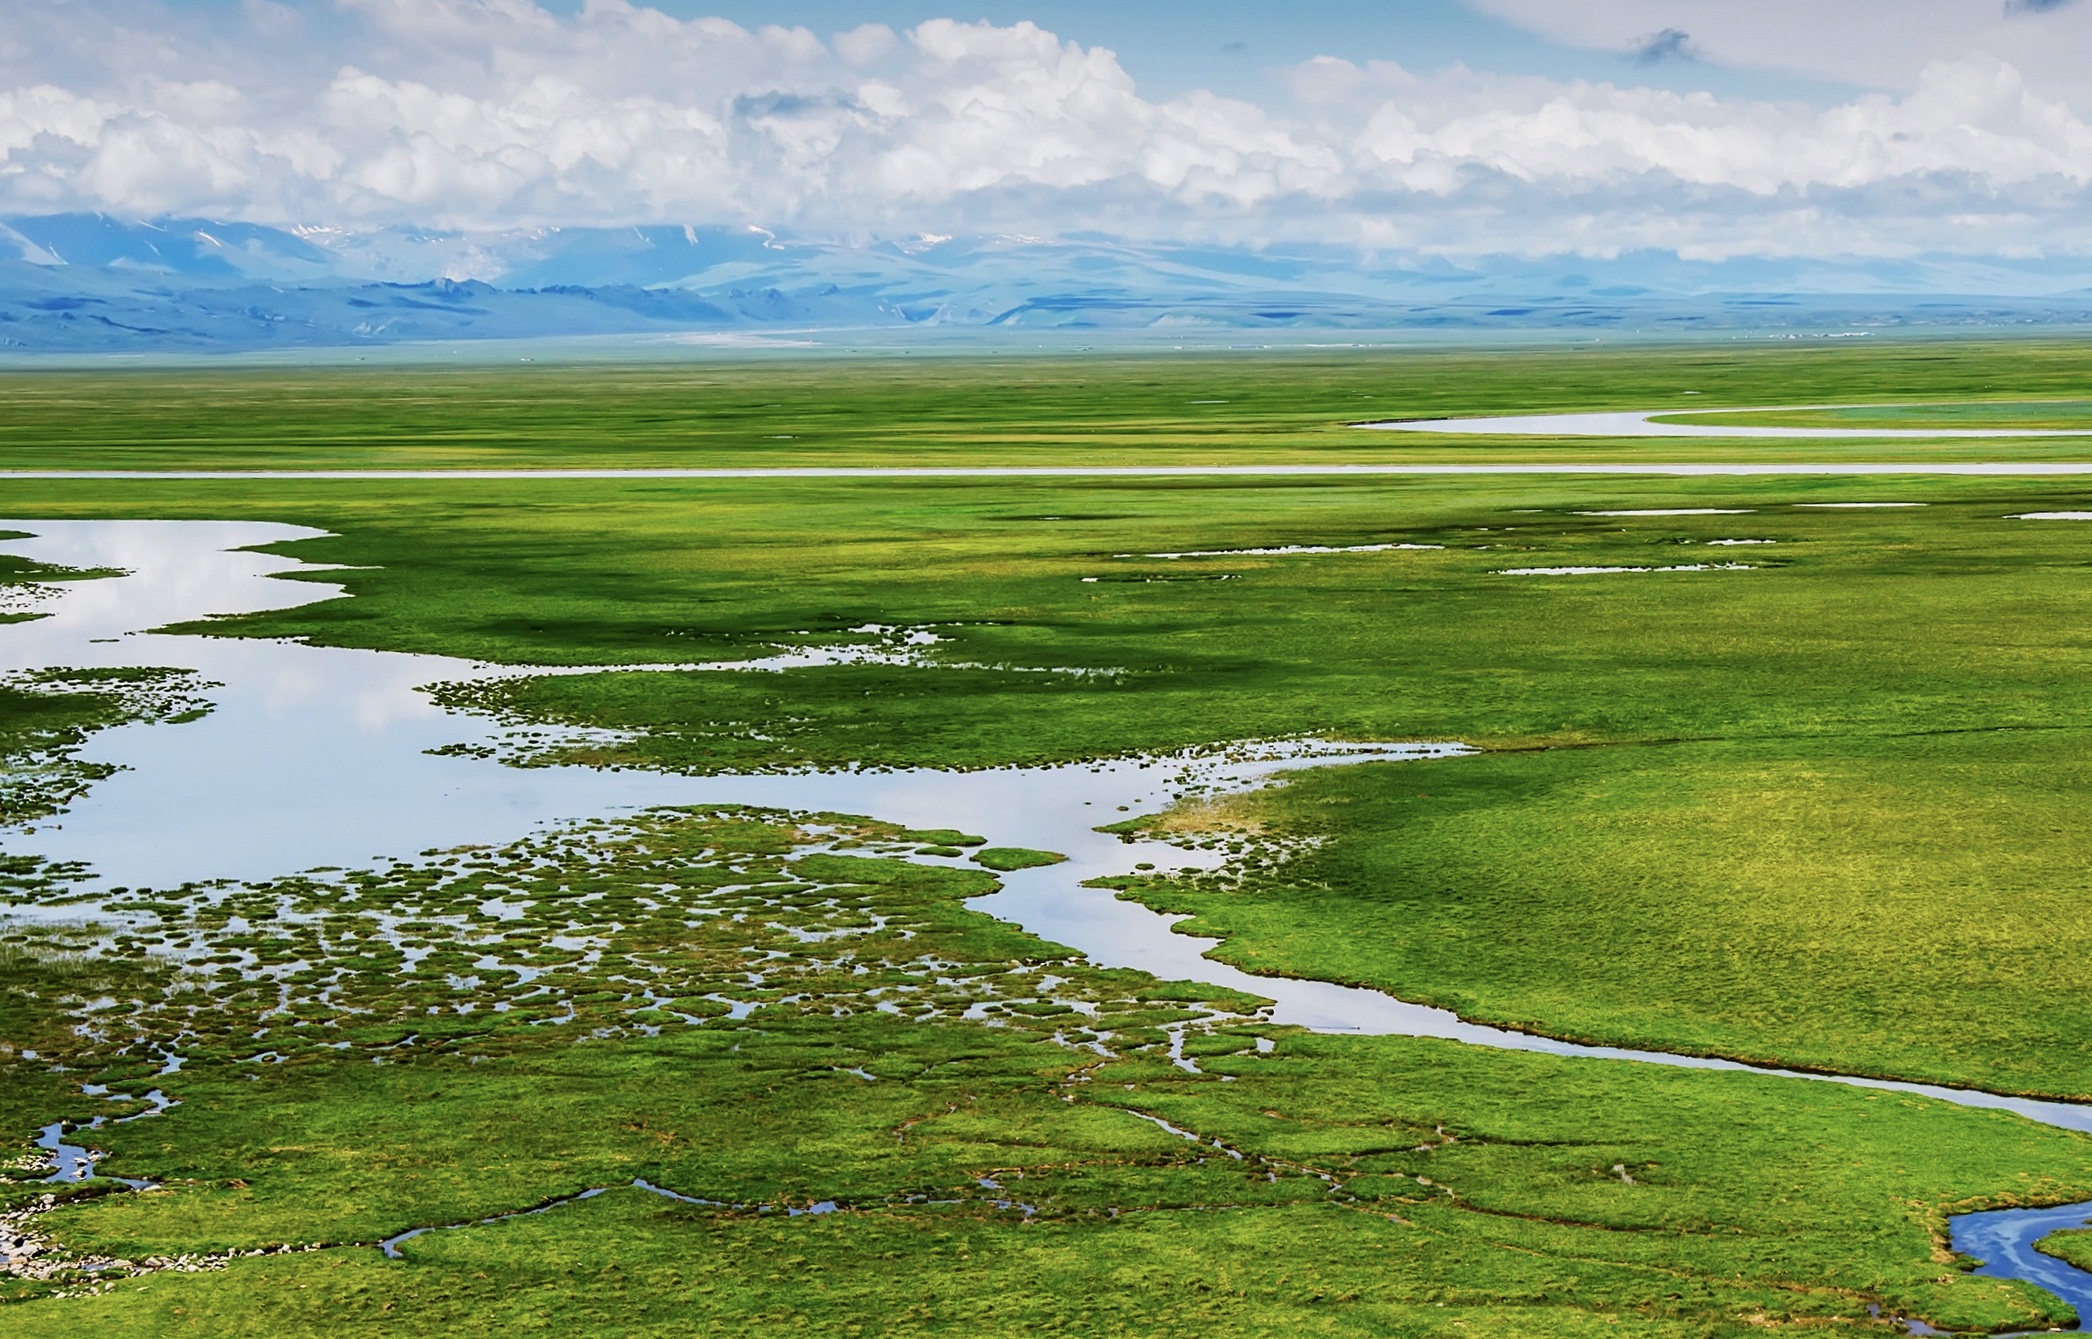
x: 316, y: 756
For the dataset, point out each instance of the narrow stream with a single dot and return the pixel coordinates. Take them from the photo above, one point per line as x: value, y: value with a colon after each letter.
x: 72, y: 1162
x: 318, y: 756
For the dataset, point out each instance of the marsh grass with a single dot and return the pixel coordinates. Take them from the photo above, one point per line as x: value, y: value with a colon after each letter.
x: 983, y: 1175
x: 1110, y: 407
x: 1824, y: 812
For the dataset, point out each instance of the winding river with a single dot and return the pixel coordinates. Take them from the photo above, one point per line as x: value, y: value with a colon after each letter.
x: 315, y: 756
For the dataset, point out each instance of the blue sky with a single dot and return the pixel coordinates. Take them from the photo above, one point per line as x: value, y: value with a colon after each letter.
x: 1705, y: 128
x: 1171, y: 46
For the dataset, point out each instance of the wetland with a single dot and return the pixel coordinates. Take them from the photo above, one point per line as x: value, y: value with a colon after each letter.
x: 677, y: 857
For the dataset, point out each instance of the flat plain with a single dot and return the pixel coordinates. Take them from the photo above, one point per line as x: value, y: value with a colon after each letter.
x: 1765, y: 773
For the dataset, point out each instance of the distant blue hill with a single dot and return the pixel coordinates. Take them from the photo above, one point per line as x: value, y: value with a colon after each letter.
x: 82, y: 283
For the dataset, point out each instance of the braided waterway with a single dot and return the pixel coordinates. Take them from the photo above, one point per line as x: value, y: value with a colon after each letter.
x: 316, y: 756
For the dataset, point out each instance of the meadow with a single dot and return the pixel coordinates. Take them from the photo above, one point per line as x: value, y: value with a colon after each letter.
x: 1201, y: 405
x: 1798, y: 786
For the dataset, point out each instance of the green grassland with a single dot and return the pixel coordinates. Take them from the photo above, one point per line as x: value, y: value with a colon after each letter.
x: 1985, y: 414
x: 1822, y: 810
x: 341, y: 1085
x: 1197, y: 406
x: 1902, y: 906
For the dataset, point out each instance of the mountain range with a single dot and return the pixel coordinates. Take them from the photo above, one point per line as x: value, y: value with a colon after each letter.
x: 88, y: 283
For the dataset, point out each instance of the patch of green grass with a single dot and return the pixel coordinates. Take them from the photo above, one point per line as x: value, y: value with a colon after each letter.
x: 1352, y: 1185
x: 627, y: 1264
x: 1905, y: 905
x: 1004, y: 858
x: 2072, y: 1246
x: 949, y: 837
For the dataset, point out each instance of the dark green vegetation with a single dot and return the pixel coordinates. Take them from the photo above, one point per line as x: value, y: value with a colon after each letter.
x: 1195, y: 406
x: 1822, y: 811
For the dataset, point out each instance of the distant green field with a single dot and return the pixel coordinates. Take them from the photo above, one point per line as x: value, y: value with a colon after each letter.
x: 1814, y: 801
x: 1198, y: 406
x: 2002, y: 412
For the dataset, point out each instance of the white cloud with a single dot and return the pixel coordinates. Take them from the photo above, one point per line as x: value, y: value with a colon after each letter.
x: 498, y: 114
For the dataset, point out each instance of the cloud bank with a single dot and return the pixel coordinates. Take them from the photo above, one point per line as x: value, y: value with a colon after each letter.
x: 495, y: 114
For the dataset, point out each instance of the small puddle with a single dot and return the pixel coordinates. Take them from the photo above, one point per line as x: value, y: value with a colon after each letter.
x: 69, y: 1162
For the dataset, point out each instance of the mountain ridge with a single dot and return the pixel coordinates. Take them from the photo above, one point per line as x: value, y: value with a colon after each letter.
x: 91, y: 283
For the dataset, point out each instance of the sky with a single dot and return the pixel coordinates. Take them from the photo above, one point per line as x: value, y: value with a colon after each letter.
x: 1711, y: 129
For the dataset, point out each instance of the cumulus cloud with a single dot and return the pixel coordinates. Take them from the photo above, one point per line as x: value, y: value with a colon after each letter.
x: 500, y: 114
